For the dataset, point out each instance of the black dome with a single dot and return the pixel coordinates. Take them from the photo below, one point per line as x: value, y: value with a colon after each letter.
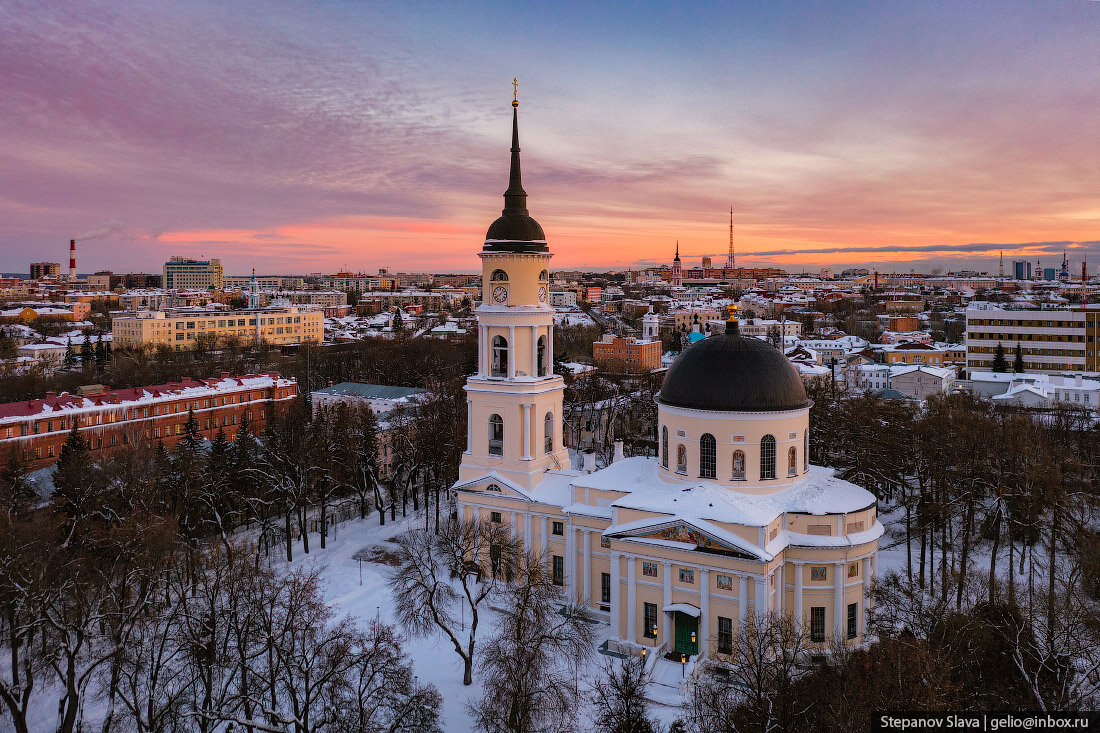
x: 515, y: 233
x: 733, y: 373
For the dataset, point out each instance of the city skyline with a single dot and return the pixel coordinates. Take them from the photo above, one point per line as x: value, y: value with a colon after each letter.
x: 320, y: 137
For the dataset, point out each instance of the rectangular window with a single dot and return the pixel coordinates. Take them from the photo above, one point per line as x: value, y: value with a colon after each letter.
x: 558, y: 528
x: 724, y: 582
x: 817, y: 623
x: 494, y: 517
x: 605, y: 587
x: 559, y: 570
x: 725, y: 635
x: 852, y: 619
x: 687, y: 575
x: 649, y: 569
x: 650, y: 616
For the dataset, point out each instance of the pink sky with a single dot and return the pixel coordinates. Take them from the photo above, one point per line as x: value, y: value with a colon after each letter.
x: 316, y: 137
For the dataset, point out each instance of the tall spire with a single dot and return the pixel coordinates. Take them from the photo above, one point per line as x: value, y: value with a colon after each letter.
x: 515, y: 198
x: 677, y: 257
x: 730, y: 260
x: 515, y: 230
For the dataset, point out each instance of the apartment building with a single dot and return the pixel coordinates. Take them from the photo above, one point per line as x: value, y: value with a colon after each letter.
x: 181, y: 272
x: 1050, y: 340
x: 110, y: 418
x: 179, y: 329
x: 45, y: 269
x: 633, y: 354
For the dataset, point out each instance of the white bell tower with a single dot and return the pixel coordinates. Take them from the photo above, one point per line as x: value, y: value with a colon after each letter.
x: 514, y: 401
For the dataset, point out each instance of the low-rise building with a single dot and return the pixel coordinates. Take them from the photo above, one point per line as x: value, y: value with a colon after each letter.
x: 630, y: 353
x: 914, y: 352
x: 919, y: 382
x: 180, y: 329
x: 111, y: 418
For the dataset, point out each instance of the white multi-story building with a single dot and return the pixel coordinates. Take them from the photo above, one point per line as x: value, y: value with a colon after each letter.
x: 1050, y: 340
x: 182, y: 273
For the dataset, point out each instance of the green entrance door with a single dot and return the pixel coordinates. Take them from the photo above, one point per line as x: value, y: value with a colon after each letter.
x: 686, y: 626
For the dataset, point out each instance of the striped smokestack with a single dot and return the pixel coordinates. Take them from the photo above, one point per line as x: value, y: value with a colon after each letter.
x: 72, y: 259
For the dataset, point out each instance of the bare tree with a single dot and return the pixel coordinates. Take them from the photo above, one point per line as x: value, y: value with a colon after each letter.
x: 619, y: 697
x: 440, y: 580
x: 756, y: 692
x: 531, y: 663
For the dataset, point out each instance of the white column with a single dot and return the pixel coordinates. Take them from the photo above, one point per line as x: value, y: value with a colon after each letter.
x: 866, y: 592
x: 631, y: 602
x: 666, y: 626
x: 469, y: 426
x: 545, y: 541
x: 511, y: 352
x: 526, y: 431
x: 512, y: 526
x: 760, y: 606
x: 616, y: 604
x: 704, y: 612
x: 587, y: 547
x: 482, y: 351
x: 570, y: 562
x: 534, y: 351
x: 527, y: 531
x: 550, y: 347
x: 798, y: 596
x: 838, y: 599
x: 742, y: 598
x: 780, y: 589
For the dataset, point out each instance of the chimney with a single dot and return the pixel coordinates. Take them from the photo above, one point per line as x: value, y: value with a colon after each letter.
x: 51, y: 395
x: 72, y: 259
x: 589, y: 461
x: 618, y: 456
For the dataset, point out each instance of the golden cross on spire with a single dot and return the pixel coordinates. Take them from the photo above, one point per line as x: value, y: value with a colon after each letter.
x: 515, y: 89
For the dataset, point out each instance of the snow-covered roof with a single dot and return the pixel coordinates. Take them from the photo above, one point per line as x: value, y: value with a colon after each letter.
x: 818, y: 492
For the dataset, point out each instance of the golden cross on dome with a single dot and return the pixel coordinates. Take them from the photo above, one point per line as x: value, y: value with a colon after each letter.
x: 515, y: 89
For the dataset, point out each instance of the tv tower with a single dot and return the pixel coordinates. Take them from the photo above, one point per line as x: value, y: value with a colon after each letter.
x: 1002, y: 271
x: 730, y: 259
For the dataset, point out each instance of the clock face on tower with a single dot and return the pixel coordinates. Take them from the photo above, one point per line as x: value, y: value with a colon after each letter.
x: 500, y: 294
x: 542, y: 295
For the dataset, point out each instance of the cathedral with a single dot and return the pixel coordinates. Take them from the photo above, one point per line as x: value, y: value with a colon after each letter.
x: 673, y: 551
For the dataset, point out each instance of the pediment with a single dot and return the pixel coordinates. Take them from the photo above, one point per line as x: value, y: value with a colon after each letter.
x: 690, y: 533
x: 493, y: 484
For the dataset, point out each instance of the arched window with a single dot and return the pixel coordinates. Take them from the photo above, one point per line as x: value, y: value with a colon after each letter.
x: 548, y: 431
x: 544, y: 275
x: 664, y: 446
x: 739, y: 465
x: 498, y: 275
x: 767, y: 457
x: 708, y: 456
x: 681, y: 459
x: 806, y: 450
x: 792, y: 461
x: 541, y: 356
x: 500, y: 356
x: 496, y: 435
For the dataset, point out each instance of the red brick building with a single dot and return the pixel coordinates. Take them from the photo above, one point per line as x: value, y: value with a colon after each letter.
x: 635, y: 355
x: 110, y: 418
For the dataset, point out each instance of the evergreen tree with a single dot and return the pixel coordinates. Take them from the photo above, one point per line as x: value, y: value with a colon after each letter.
x: 1000, y: 364
x: 87, y: 356
x: 70, y: 355
x: 398, y: 322
x: 16, y: 492
x: 1018, y: 361
x: 75, y: 495
x: 100, y: 351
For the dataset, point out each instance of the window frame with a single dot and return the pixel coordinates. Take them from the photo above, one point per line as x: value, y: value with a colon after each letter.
x: 817, y: 624
x: 496, y: 435
x: 767, y: 457
x: 708, y: 456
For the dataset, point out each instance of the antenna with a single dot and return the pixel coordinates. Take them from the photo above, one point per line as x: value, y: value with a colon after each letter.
x: 730, y: 259
x: 1002, y: 273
